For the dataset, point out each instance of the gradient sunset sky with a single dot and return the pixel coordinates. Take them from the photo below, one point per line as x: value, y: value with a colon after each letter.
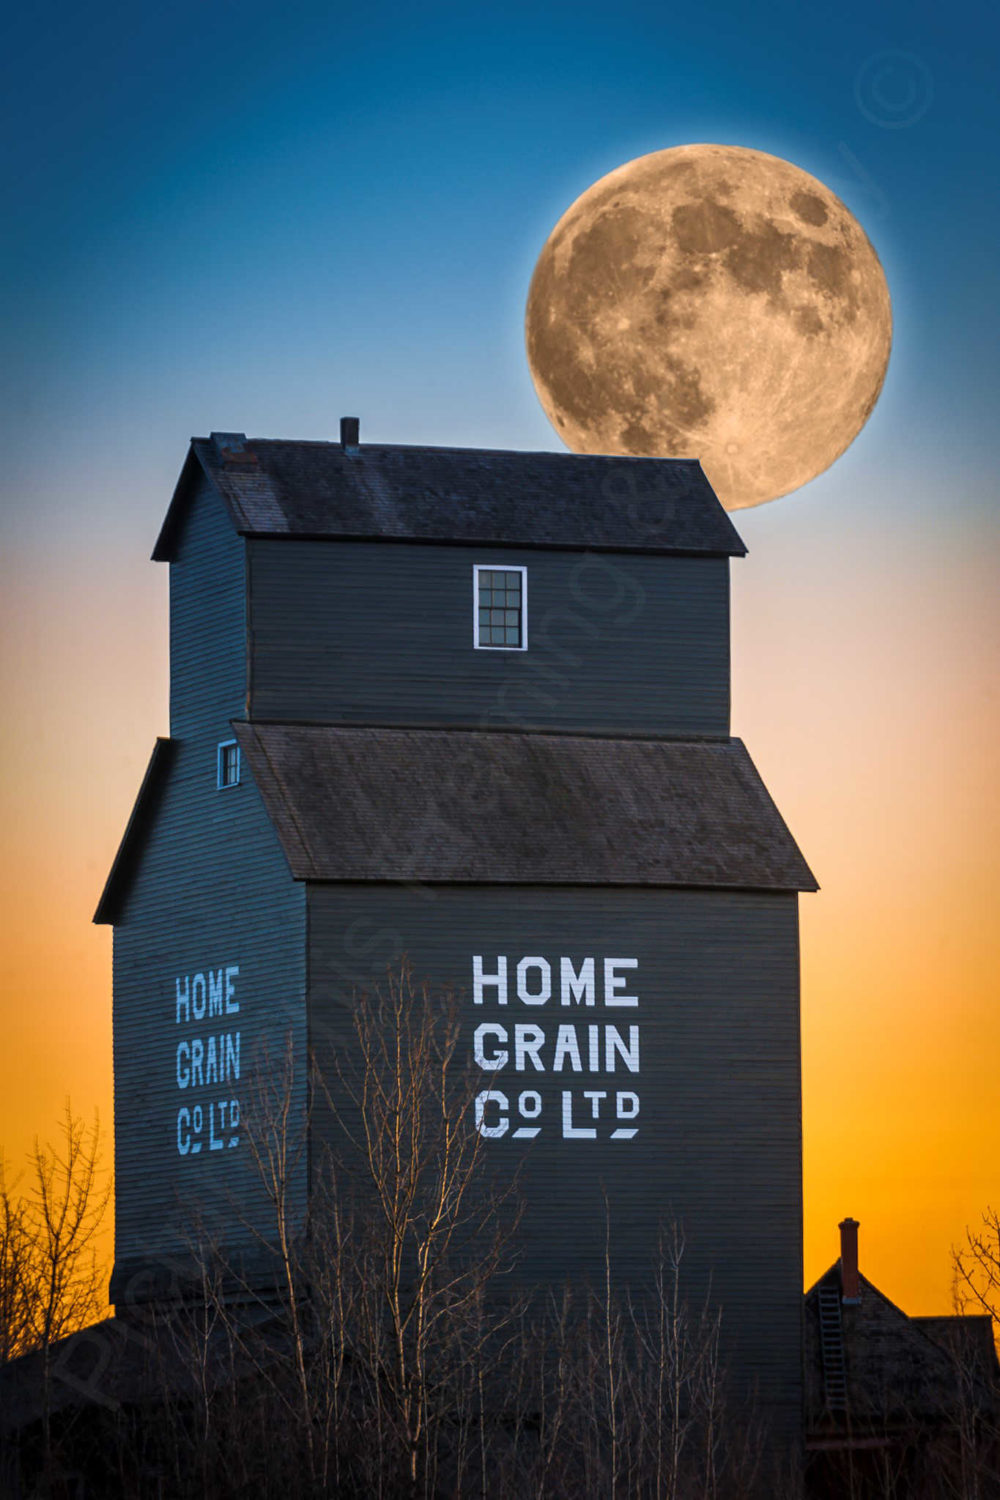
x: 260, y: 217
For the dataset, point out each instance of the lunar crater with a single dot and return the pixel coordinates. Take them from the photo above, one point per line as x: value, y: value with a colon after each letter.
x: 712, y: 302
x: 808, y: 208
x: 704, y: 227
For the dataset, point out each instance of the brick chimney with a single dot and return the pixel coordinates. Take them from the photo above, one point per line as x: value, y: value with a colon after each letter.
x: 350, y: 432
x: 850, y: 1284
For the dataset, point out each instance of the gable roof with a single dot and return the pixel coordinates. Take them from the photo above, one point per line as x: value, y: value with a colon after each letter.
x: 461, y: 495
x: 898, y: 1369
x: 148, y: 799
x: 494, y: 807
x: 968, y: 1338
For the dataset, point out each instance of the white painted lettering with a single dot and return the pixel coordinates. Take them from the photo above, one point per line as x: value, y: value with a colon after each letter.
x: 481, y: 980
x: 232, y: 1005
x: 524, y: 993
x: 183, y: 1065
x: 212, y: 1061
x: 527, y: 1040
x: 566, y: 1046
x: 183, y: 1131
x: 613, y: 981
x: 232, y: 1055
x: 581, y: 987
x: 487, y: 1097
x: 183, y: 999
x: 199, y: 993
x: 197, y: 1062
x: 215, y: 993
x: 614, y: 1043
x: 496, y: 1059
x: 628, y: 1109
x: 529, y: 1107
x: 570, y: 1131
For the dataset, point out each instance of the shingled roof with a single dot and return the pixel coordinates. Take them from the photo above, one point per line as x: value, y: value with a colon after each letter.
x: 464, y: 495
x: 453, y: 805
x: 143, y: 813
x: 898, y: 1370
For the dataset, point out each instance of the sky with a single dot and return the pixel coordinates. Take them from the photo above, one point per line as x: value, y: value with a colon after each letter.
x: 259, y: 218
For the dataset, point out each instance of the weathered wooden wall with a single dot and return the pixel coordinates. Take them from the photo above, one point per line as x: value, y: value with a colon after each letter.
x: 718, y: 1147
x: 211, y: 891
x: 381, y: 633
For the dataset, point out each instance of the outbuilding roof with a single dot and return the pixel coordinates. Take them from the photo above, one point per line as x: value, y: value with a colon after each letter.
x: 898, y: 1371
x: 486, y: 806
x: 459, y: 495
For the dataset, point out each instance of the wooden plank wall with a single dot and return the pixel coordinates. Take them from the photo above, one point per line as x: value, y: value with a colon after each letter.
x: 381, y: 633
x: 718, y: 1143
x: 211, y: 894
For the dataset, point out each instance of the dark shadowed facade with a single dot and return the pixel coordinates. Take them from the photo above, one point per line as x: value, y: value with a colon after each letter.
x: 894, y: 1404
x: 469, y: 709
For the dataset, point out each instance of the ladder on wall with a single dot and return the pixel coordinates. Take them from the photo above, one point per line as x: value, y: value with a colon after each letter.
x: 831, y: 1343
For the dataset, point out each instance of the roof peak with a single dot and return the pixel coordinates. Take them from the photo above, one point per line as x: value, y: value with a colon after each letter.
x: 366, y: 446
x: 322, y: 488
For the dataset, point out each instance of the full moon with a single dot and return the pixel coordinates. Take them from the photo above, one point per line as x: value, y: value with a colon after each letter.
x: 711, y: 302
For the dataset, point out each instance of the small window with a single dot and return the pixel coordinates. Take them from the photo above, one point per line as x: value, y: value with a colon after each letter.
x: 229, y: 764
x: 500, y: 609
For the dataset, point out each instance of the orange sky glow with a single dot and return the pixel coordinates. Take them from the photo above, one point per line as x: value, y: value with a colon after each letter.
x: 865, y: 686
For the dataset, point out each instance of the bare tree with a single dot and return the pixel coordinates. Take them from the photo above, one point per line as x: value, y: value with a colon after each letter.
x: 396, y: 1361
x: 52, y: 1280
x: 431, y: 1226
x: 17, y: 1291
x: 385, y: 1354
x: 376, y: 1347
x: 976, y: 1267
x: 66, y: 1202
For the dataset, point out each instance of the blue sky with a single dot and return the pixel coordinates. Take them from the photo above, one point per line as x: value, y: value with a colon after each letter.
x: 262, y: 216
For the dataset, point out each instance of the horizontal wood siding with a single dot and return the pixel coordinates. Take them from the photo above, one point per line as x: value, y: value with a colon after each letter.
x: 211, y: 892
x: 382, y: 633
x: 207, y: 621
x: 719, y: 1127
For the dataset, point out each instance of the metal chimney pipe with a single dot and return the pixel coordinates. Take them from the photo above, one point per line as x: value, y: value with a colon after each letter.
x: 850, y: 1283
x: 350, y: 432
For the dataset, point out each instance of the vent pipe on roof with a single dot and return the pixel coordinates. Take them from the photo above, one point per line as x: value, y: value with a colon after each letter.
x: 850, y: 1283
x: 350, y: 432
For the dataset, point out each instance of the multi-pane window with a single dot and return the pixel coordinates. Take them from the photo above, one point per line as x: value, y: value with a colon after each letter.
x: 501, y: 614
x: 228, y: 764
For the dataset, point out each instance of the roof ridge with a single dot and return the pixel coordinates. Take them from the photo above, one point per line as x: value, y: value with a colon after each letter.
x: 486, y: 497
x: 361, y: 448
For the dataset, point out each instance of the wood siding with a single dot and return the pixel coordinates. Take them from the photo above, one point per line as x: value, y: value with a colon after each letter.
x: 208, y: 672
x: 718, y: 1146
x: 211, y: 892
x: 382, y: 633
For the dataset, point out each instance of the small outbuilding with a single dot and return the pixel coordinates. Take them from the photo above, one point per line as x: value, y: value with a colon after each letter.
x: 896, y: 1405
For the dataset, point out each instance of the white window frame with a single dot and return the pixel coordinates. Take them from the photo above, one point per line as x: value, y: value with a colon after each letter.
x: 497, y: 567
x: 225, y: 786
